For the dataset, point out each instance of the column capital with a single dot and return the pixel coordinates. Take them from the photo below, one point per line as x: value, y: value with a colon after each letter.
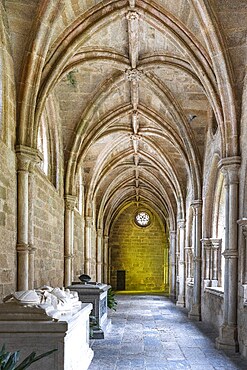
x: 99, y: 232
x: 181, y: 223
x: 26, y: 156
x: 70, y: 201
x: 216, y: 243
x: 106, y: 238
x: 196, y: 204
x: 243, y: 223
x: 88, y: 221
x: 207, y: 243
x: 230, y: 168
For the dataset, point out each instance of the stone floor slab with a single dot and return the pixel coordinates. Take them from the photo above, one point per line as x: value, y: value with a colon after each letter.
x: 150, y: 333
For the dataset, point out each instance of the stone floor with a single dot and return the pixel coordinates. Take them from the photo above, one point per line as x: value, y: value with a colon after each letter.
x: 150, y: 333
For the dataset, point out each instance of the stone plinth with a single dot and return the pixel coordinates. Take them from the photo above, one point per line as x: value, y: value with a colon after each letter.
x: 29, y: 329
x: 97, y: 295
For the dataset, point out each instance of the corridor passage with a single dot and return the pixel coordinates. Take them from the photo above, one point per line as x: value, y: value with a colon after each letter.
x: 150, y: 333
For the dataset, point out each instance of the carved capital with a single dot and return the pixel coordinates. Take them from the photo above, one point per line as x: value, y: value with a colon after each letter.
x: 70, y: 201
x: 100, y: 233
x: 230, y: 169
x: 243, y: 224
x: 181, y: 224
x: 207, y: 243
x: 27, y: 158
x: 88, y: 221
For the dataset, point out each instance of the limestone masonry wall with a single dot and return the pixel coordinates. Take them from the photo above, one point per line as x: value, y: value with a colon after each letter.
x: 78, y: 261
x: 48, y: 233
x: 7, y: 221
x: 138, y: 251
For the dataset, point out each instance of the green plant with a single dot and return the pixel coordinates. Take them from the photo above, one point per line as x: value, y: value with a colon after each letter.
x: 8, y: 360
x: 71, y: 78
x: 111, y: 301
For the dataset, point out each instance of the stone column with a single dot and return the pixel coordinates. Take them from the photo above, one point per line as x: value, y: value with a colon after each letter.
x: 173, y: 264
x: 31, y: 247
x: 243, y: 224
x: 195, y: 312
x: 68, y: 238
x: 181, y: 266
x: 88, y: 244
x: 22, y: 221
x: 207, y: 249
x: 106, y: 260
x: 99, y: 255
x: 228, y: 338
x: 216, y: 253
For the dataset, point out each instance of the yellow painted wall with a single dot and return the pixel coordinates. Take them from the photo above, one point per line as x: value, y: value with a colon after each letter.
x: 141, y: 252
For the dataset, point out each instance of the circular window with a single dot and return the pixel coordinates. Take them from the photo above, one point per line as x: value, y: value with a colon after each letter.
x: 142, y: 219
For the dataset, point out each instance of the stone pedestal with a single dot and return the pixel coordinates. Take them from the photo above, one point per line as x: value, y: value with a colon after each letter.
x: 97, y: 295
x: 29, y: 329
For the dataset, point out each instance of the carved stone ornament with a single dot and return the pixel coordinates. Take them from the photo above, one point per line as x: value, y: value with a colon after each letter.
x: 133, y: 74
x: 131, y: 15
x: 55, y: 301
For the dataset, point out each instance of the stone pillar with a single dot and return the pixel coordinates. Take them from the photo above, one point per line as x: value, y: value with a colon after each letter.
x: 88, y: 244
x: 99, y: 255
x: 195, y: 312
x: 216, y: 253
x: 27, y: 158
x: 207, y: 248
x: 243, y: 224
x: 68, y: 238
x: 22, y: 221
x: 106, y: 260
x: 31, y: 247
x: 173, y: 264
x: 181, y: 266
x: 228, y: 338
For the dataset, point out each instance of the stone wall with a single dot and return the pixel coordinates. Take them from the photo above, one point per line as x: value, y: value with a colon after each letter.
x: 212, y: 307
x: 7, y: 221
x: 138, y: 251
x: 78, y: 261
x: 48, y: 233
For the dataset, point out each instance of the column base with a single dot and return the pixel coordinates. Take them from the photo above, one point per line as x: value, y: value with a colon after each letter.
x: 195, y: 313
x: 228, y: 339
x: 181, y: 301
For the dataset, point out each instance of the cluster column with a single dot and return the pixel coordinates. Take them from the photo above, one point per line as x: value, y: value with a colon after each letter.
x: 99, y: 255
x: 195, y: 312
x: 181, y: 266
x: 228, y: 338
x: 88, y: 244
x: 69, y: 238
x: 106, y: 259
x: 27, y: 158
x: 173, y: 264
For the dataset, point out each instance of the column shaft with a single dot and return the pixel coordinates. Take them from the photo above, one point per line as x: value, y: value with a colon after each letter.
x: 195, y: 312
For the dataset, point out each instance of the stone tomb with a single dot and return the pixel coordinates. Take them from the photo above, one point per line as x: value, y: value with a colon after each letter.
x: 95, y: 293
x: 29, y: 328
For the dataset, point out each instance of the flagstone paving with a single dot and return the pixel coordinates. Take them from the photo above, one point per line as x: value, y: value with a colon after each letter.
x: 150, y: 333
